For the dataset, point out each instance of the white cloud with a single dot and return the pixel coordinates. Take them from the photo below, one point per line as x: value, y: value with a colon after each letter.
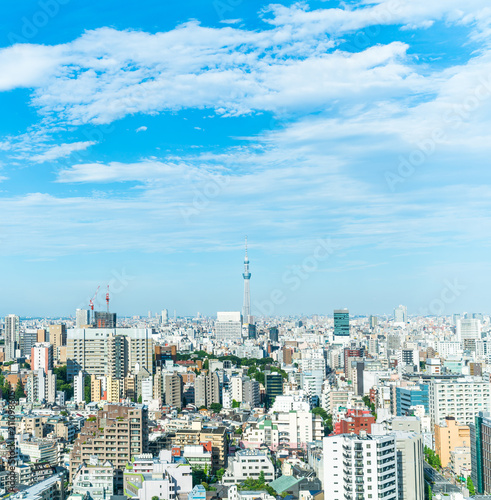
x: 60, y: 151
x: 142, y: 129
x: 107, y: 74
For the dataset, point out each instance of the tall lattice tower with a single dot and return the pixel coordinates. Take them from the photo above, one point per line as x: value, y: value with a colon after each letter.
x: 246, y: 309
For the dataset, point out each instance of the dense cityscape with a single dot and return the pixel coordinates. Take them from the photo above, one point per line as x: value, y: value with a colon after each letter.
x: 307, y: 408
x: 244, y: 250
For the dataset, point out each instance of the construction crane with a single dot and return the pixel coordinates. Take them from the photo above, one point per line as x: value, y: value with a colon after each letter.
x: 91, y: 305
x: 91, y: 301
x: 107, y: 298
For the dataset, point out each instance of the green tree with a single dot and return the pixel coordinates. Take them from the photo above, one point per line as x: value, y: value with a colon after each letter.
x: 235, y: 404
x: 6, y: 390
x: 261, y: 479
x: 238, y: 431
x: 198, y: 475
x: 219, y: 474
x: 216, y: 407
x: 19, y: 391
x: 155, y: 497
x: 61, y: 373
x: 320, y: 411
x: 470, y: 486
x: 429, y: 492
x: 140, y: 399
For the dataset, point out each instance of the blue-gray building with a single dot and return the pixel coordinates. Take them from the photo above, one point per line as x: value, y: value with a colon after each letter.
x: 412, y: 396
x: 341, y: 322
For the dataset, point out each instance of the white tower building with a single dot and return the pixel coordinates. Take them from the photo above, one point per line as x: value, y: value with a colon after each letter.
x: 246, y: 309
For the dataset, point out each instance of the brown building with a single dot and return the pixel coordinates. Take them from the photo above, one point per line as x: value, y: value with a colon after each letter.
x: 57, y: 337
x: 216, y: 435
x: 117, y: 433
x: 165, y: 352
x: 450, y: 436
x: 173, y: 389
x: 188, y: 377
x: 354, y: 422
x: 42, y: 336
x: 287, y: 355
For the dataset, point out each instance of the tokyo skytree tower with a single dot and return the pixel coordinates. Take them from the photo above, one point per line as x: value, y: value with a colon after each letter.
x: 246, y: 309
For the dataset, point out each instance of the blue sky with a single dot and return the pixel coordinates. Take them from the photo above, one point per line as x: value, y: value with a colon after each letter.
x: 139, y: 145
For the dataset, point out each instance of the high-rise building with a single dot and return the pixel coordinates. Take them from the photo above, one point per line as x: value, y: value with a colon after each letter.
x: 410, y: 476
x: 57, y: 337
x: 373, y: 322
x: 109, y: 351
x: 104, y: 319
x: 228, y: 327
x: 28, y: 338
x: 363, y: 466
x: 462, y: 398
x: 480, y: 436
x: 79, y: 387
x: 12, y: 336
x: 274, y: 334
x: 42, y: 357
x: 250, y: 392
x: 252, y: 332
x: 400, y: 314
x: 274, y: 386
x: 117, y: 434
x: 246, y: 309
x: 412, y: 396
x: 113, y: 390
x: 41, y: 386
x: 449, y: 436
x: 207, y: 390
x: 165, y: 316
x: 173, y: 389
x: 468, y: 332
x: 82, y: 319
x: 341, y: 322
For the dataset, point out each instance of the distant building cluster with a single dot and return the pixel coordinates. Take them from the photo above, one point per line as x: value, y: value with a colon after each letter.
x: 309, y: 408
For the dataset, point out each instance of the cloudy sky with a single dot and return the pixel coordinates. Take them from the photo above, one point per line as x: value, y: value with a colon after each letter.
x: 350, y: 141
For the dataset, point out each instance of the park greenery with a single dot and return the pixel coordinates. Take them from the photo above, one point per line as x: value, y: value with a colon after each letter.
x: 470, y: 486
x: 432, y: 458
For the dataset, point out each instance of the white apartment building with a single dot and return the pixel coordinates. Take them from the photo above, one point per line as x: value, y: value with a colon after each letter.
x: 228, y: 326
x: 311, y: 364
x: 461, y: 398
x: 293, y: 429
x: 109, y: 351
x: 236, y: 385
x: 248, y: 464
x: 41, y: 387
x: 360, y: 467
x: 468, y: 329
x: 96, y: 479
x: 291, y: 402
x: 42, y: 357
x: 446, y: 349
x: 79, y: 388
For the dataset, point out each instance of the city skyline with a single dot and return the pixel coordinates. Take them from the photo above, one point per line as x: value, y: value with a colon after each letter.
x: 146, y: 144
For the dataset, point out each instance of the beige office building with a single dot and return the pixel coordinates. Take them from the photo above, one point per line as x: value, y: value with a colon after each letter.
x: 450, y: 436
